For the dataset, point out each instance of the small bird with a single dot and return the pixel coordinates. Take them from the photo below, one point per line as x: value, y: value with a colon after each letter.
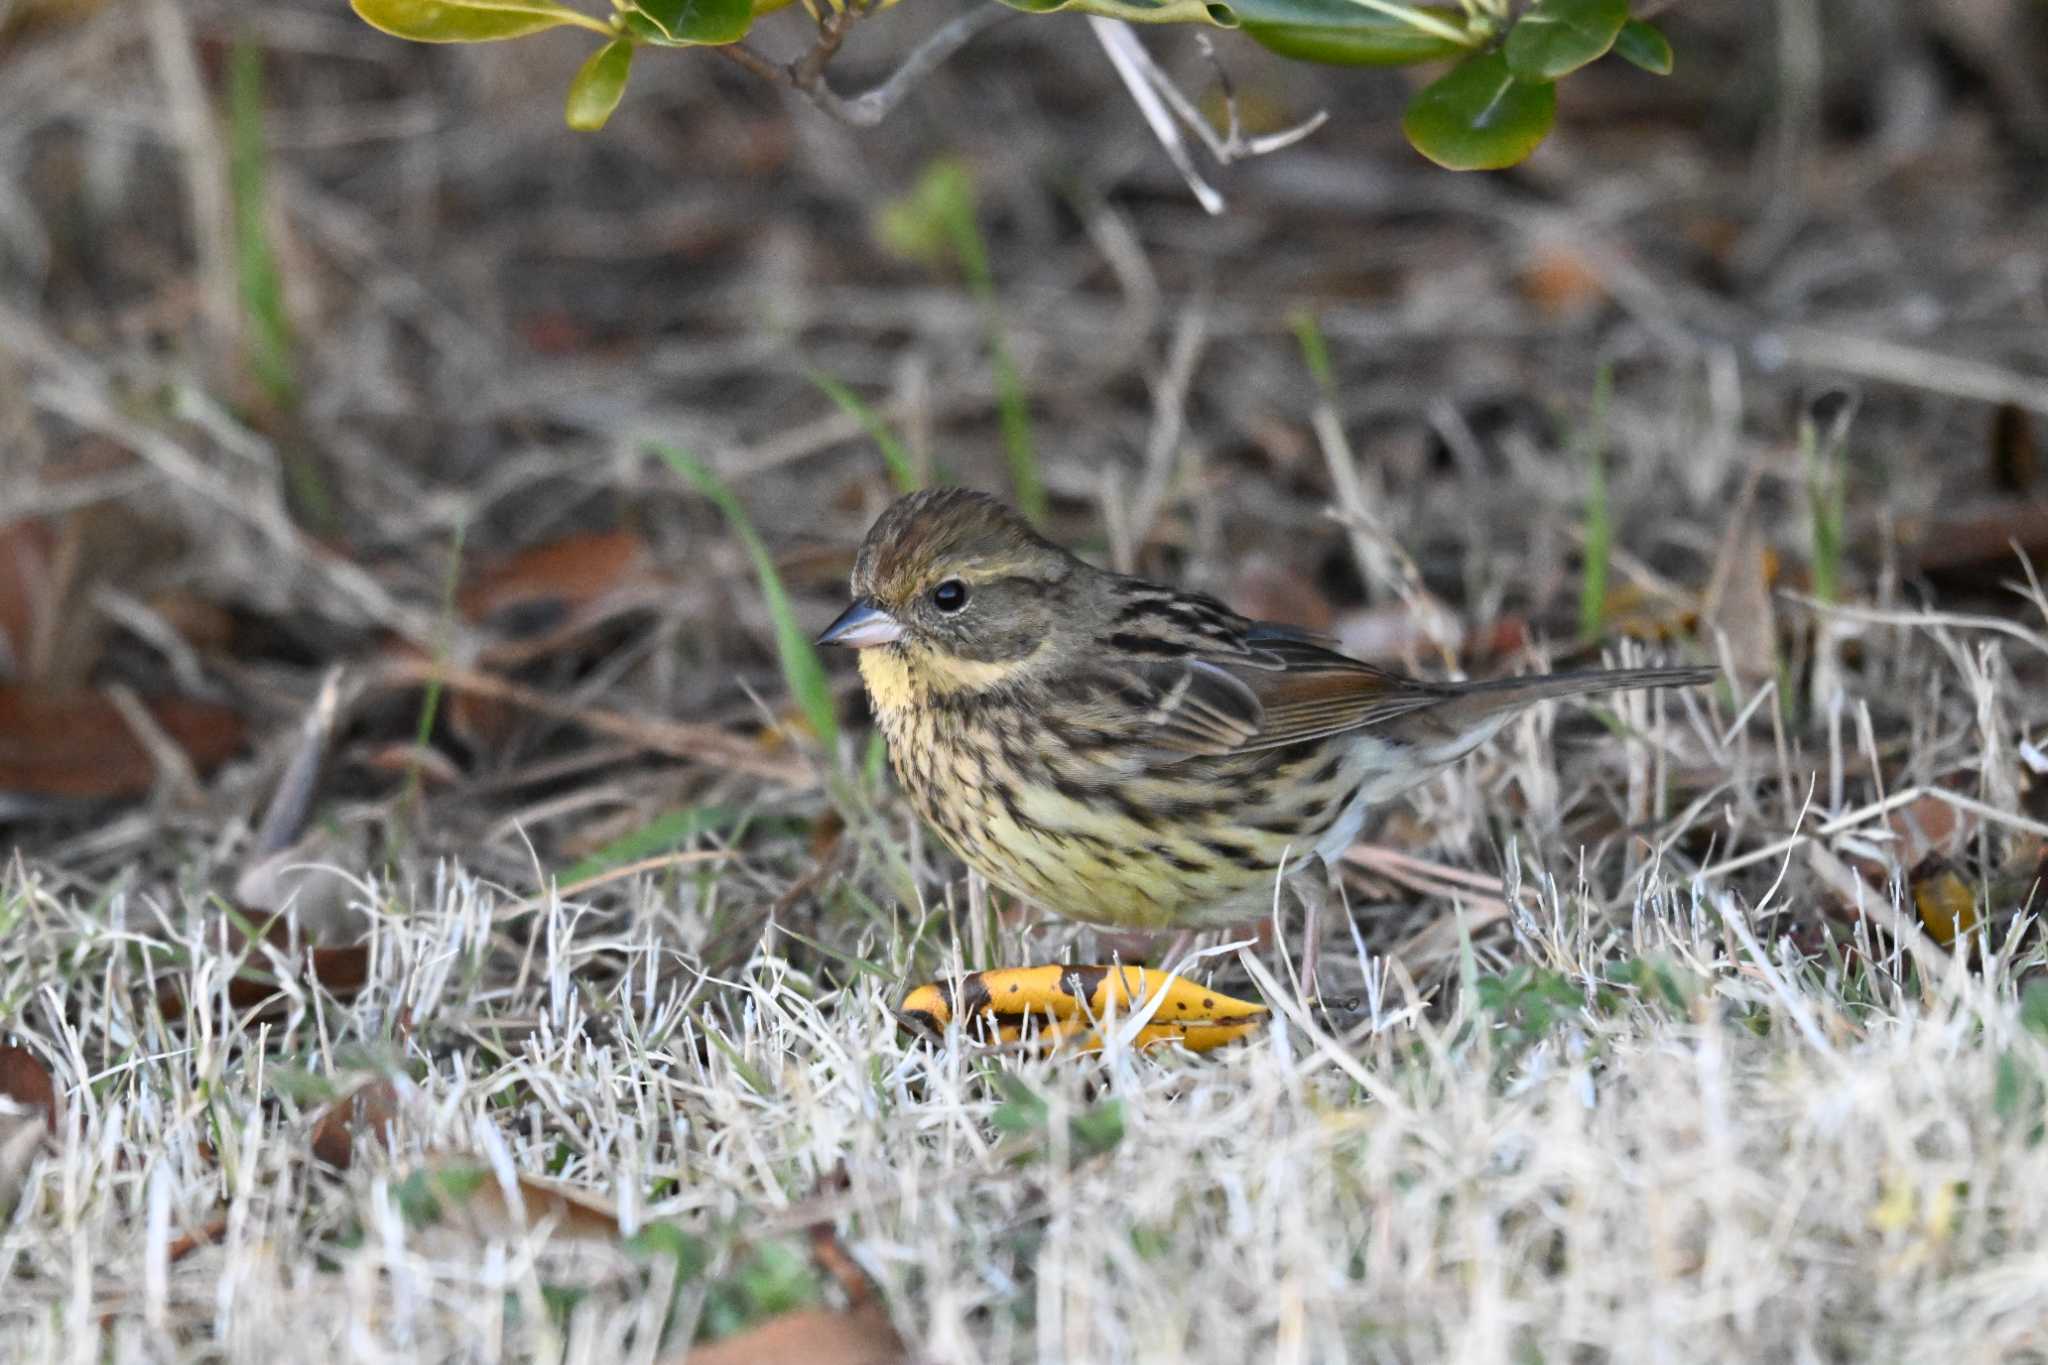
x: 1128, y: 754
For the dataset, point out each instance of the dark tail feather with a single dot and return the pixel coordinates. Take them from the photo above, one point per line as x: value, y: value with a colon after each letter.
x: 1475, y: 702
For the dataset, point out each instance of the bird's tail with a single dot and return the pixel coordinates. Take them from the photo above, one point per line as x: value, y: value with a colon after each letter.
x: 1474, y: 703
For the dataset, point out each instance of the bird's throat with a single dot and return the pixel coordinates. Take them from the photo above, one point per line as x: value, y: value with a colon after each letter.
x: 901, y: 679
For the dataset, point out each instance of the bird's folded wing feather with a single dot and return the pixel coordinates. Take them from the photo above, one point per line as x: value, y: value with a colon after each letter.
x: 1262, y: 688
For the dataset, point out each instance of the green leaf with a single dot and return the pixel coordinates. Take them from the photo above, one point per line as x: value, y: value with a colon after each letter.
x: 686, y: 22
x: 666, y: 1241
x: 1022, y: 1111
x: 599, y: 85
x: 801, y: 669
x: 469, y: 21
x: 1478, y: 117
x: 2034, y: 1008
x: 1560, y: 36
x: 1645, y: 46
x: 1137, y: 11
x: 1341, y: 33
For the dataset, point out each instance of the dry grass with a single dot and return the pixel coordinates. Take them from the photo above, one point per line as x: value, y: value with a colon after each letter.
x: 1715, y: 1147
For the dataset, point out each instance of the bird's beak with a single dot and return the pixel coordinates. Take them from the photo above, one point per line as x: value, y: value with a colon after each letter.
x: 862, y: 626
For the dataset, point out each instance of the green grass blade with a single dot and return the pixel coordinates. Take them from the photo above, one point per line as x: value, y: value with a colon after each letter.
x: 802, y: 671
x: 267, y: 329
x: 1012, y: 407
x: 902, y: 469
x: 1599, y: 526
x: 664, y: 832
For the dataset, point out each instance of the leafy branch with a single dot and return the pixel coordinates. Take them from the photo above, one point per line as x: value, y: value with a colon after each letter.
x: 1491, y: 109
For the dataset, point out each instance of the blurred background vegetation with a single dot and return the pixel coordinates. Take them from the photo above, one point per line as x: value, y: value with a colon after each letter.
x: 319, y: 348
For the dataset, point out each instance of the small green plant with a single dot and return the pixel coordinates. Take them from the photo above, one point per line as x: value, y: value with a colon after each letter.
x: 1599, y: 528
x: 1492, y: 108
x: 1823, y: 432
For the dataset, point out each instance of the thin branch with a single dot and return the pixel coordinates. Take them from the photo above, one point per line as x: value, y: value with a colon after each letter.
x: 740, y: 55
x: 871, y: 107
x: 806, y: 75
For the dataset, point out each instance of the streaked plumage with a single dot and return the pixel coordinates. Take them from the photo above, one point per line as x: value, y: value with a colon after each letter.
x: 1124, y: 753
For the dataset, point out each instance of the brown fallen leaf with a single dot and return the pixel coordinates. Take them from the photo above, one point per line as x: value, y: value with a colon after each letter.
x: 1561, y: 281
x: 26, y: 1081
x: 371, y: 1109
x: 342, y: 971
x: 810, y: 1336
x: 1926, y: 827
x: 466, y: 1193
x: 26, y: 579
x: 543, y: 597
x: 28, y: 1119
x: 76, y: 744
x: 859, y: 1334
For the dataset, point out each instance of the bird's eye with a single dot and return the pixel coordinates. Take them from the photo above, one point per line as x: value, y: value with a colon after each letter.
x: 950, y: 596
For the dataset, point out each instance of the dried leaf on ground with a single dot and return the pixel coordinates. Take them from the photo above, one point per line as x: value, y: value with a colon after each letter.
x: 341, y: 971
x: 28, y: 1118
x: 538, y: 600
x: 77, y: 745
x: 810, y: 1336
x: 26, y: 1081
x: 465, y: 1192
x: 370, y: 1110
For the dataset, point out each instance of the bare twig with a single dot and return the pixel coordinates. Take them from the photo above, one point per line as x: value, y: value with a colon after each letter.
x: 806, y: 75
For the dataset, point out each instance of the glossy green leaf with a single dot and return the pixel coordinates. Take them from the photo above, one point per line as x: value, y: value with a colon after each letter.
x: 1479, y: 117
x: 1560, y: 36
x: 1644, y: 45
x: 1138, y: 11
x: 599, y: 85
x: 689, y: 22
x: 469, y: 21
x: 1341, y: 33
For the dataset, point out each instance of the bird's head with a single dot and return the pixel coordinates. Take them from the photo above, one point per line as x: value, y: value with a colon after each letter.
x: 953, y: 592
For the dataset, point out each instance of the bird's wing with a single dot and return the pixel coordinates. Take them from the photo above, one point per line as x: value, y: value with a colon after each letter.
x: 1190, y: 678
x: 1172, y: 707
x: 1307, y: 690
